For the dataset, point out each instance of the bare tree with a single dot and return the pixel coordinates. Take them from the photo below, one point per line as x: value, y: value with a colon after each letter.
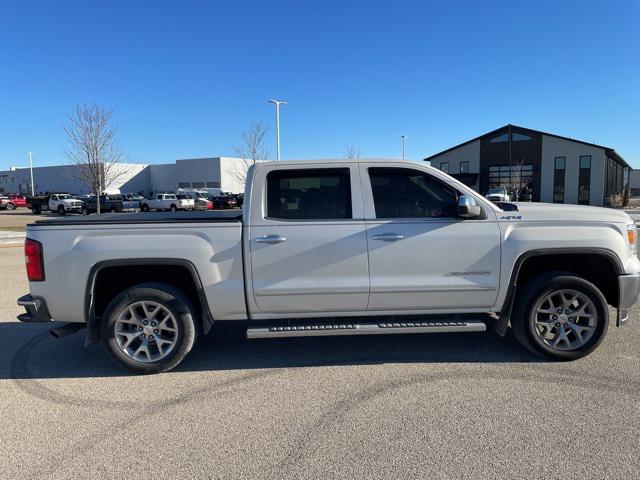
x: 351, y: 152
x: 518, y: 182
x: 251, y: 150
x: 93, y: 148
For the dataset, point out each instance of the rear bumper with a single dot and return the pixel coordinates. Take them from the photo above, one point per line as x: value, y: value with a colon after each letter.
x: 629, y: 288
x: 36, y: 310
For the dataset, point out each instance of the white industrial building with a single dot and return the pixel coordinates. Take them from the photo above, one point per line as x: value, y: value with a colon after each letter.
x: 212, y: 172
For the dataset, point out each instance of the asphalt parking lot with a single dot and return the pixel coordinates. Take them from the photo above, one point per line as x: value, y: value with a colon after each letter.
x: 422, y: 406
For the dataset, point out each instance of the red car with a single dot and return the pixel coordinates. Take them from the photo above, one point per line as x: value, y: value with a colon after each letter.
x: 16, y: 201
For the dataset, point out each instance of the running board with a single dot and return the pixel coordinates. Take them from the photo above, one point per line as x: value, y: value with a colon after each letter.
x: 382, y: 328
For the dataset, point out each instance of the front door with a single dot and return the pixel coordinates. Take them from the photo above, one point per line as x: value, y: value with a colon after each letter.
x: 308, y: 249
x: 421, y: 255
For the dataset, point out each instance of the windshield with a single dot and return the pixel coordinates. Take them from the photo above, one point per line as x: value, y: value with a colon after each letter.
x: 64, y: 197
x: 496, y: 191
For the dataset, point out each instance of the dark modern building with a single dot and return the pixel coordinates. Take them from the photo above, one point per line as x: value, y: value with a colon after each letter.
x: 542, y: 166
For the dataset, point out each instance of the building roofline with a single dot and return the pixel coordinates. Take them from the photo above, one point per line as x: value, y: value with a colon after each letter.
x: 610, y: 151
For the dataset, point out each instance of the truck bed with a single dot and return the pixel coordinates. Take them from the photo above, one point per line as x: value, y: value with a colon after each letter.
x: 145, y: 217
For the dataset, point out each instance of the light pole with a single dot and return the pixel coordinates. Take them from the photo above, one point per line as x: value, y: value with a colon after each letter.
x: 404, y: 138
x: 31, y: 172
x: 277, y: 103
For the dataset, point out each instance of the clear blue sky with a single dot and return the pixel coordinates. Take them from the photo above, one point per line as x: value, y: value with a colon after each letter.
x: 186, y: 78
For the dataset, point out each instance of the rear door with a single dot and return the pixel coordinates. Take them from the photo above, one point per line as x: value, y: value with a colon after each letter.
x: 307, y: 241
x: 421, y: 255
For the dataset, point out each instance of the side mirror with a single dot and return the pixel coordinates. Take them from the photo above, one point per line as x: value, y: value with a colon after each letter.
x: 467, y: 207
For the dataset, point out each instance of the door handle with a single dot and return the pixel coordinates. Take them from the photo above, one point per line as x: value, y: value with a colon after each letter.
x: 270, y: 239
x: 388, y: 237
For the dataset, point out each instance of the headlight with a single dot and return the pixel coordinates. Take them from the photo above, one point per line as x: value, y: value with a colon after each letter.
x: 632, y: 237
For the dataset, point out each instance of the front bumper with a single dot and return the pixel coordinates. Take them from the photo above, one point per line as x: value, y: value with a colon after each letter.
x: 36, y: 310
x: 629, y: 289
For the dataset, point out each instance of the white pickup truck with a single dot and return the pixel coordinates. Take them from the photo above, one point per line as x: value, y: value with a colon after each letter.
x: 64, y: 203
x: 167, y: 201
x: 336, y: 248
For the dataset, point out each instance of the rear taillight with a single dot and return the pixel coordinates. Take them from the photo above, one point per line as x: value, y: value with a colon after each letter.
x: 34, y: 260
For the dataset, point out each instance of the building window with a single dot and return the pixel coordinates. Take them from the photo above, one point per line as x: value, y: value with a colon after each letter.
x: 584, y: 179
x: 213, y: 184
x: 444, y: 166
x: 519, y: 137
x: 515, y: 137
x: 464, y: 167
x: 507, y: 176
x: 558, y: 179
x: 184, y: 185
x: 500, y: 138
x: 198, y: 184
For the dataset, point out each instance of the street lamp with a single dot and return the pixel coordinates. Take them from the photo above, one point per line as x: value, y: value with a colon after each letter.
x: 31, y: 172
x: 277, y: 103
x: 404, y: 138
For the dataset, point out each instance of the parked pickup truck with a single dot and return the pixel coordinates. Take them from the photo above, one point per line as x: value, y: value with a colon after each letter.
x: 12, y: 201
x: 336, y: 248
x: 56, y: 202
x: 167, y: 201
x: 108, y: 203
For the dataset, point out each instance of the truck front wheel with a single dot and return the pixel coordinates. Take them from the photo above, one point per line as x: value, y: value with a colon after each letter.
x: 149, y: 328
x: 61, y: 210
x: 560, y: 316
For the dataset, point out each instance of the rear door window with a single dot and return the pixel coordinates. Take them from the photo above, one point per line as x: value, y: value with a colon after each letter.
x: 309, y: 194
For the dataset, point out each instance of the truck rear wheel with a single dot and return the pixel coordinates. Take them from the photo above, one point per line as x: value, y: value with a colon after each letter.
x: 560, y: 316
x: 149, y: 328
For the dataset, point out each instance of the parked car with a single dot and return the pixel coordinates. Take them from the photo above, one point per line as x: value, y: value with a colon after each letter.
x: 222, y: 202
x: 108, y: 203
x: 211, y: 192
x: 239, y: 199
x: 167, y: 201
x: 200, y: 199
x: 131, y: 201
x: 4, y: 203
x: 337, y: 248
x: 198, y: 203
x: 498, y: 195
x: 13, y: 201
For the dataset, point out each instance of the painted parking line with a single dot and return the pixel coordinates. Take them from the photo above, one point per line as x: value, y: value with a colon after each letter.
x: 7, y: 237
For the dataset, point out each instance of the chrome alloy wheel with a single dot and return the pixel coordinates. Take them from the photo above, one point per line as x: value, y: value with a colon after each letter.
x: 146, y: 331
x: 565, y: 319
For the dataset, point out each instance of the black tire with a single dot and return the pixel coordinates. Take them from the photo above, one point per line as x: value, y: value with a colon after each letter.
x: 113, y: 210
x: 528, y: 296
x: 35, y: 211
x: 61, y: 211
x: 173, y: 300
x: 144, y: 207
x: 173, y: 208
x: 84, y: 211
x: 11, y: 206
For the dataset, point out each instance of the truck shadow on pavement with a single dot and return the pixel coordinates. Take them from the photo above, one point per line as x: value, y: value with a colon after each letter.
x: 30, y: 352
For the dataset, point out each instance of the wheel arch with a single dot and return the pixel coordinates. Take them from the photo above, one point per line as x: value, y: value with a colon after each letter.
x: 533, y: 262
x: 141, y: 270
